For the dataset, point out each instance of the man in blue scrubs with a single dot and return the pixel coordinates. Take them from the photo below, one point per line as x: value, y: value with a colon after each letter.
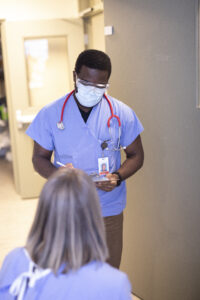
x: 82, y: 139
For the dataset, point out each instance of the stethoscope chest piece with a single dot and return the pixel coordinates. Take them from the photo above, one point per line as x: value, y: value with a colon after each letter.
x: 60, y: 125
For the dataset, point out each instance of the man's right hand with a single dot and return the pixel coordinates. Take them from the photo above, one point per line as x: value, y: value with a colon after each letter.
x: 69, y: 165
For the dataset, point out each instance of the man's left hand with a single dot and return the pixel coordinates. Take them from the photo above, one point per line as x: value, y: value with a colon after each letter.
x: 108, y: 185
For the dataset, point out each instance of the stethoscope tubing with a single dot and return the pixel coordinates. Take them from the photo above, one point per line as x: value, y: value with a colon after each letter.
x: 63, y: 107
x: 112, y: 114
x: 60, y: 124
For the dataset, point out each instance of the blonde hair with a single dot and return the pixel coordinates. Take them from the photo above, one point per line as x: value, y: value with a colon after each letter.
x: 68, y: 227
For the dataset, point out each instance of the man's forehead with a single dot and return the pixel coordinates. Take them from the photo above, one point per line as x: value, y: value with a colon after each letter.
x: 93, y: 73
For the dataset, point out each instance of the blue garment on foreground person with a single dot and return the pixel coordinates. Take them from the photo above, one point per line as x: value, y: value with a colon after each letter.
x: 65, y: 254
x: 94, y: 281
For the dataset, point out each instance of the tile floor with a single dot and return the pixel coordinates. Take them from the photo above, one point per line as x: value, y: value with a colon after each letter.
x: 15, y: 214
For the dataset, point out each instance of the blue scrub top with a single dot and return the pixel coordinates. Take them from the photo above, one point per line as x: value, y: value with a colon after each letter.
x: 95, y: 280
x: 80, y: 143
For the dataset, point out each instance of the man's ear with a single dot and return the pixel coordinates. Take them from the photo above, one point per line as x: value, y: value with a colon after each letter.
x: 74, y: 78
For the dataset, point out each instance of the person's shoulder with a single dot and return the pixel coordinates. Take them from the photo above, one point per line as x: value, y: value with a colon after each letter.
x: 15, y: 258
x: 112, y: 272
x: 49, y: 111
x: 104, y: 272
x: 123, y: 111
x: 54, y: 104
x: 16, y: 252
x: 119, y: 105
x: 109, y: 279
x: 14, y: 263
x: 117, y: 280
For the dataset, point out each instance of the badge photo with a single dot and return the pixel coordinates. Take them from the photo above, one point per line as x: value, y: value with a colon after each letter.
x: 103, y: 165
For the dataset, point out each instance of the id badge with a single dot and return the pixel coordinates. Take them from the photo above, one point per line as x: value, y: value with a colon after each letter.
x: 103, y: 164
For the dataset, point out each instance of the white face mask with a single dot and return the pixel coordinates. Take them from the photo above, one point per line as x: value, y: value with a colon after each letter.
x: 89, y: 96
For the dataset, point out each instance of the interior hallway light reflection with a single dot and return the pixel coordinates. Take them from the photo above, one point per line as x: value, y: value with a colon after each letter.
x: 36, y: 51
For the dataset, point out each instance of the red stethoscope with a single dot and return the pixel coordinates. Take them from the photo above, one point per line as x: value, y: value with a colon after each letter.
x: 61, y: 126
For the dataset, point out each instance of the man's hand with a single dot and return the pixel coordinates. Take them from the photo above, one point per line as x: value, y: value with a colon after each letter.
x: 69, y: 166
x: 108, y: 185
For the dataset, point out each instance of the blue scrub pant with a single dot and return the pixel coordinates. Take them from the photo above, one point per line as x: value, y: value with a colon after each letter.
x: 114, y: 238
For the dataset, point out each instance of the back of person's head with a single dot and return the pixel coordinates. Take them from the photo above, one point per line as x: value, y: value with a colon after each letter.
x: 68, y: 228
x: 94, y: 59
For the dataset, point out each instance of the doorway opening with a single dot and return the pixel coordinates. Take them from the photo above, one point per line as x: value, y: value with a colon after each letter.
x: 26, y: 93
x: 6, y: 171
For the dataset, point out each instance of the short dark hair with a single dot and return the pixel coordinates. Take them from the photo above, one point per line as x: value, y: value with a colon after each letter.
x: 94, y: 59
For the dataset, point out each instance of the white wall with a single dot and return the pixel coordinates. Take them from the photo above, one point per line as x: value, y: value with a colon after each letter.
x: 37, y: 9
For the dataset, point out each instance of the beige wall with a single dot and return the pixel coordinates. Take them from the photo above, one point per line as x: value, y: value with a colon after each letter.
x: 37, y: 9
x: 94, y: 28
x: 154, y: 66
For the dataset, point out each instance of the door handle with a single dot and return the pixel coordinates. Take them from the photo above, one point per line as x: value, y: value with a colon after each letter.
x: 23, y: 119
